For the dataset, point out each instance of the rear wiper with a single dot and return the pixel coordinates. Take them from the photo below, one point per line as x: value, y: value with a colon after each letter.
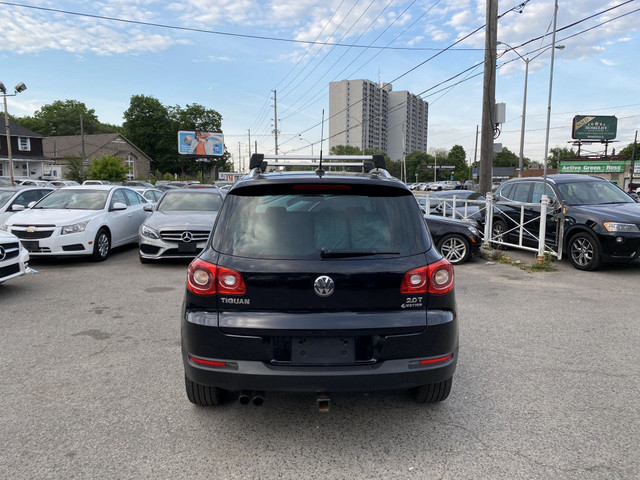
x: 326, y: 253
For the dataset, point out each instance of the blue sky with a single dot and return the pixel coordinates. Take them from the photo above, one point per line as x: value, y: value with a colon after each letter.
x: 103, y: 62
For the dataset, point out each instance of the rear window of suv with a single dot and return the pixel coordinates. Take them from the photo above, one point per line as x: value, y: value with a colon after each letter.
x: 304, y: 224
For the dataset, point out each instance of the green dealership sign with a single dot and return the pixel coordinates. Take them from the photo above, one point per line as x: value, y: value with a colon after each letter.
x: 592, y: 167
x: 587, y: 127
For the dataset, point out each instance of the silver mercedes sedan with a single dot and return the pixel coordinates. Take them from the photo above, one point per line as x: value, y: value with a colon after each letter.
x: 180, y: 224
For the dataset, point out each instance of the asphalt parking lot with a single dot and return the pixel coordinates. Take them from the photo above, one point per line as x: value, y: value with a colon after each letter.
x: 92, y: 386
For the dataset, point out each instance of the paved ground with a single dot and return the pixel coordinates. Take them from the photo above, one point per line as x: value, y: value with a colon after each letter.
x: 91, y: 386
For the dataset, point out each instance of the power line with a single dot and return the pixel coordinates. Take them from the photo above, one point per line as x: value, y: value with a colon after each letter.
x: 211, y: 32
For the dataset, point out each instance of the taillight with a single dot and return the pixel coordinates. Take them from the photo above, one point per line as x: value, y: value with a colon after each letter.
x: 440, y: 277
x: 436, y: 278
x: 415, y: 281
x: 204, y: 278
x: 230, y: 282
x: 201, y: 277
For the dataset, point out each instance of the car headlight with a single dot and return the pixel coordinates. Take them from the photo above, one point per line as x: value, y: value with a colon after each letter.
x: 4, y: 227
x: 75, y: 228
x: 474, y: 231
x: 621, y: 227
x: 149, y: 232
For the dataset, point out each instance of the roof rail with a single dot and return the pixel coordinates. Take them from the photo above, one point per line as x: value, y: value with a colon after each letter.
x: 366, y: 162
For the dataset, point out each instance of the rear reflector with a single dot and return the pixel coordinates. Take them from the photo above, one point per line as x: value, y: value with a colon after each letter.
x: 436, y: 360
x: 208, y: 363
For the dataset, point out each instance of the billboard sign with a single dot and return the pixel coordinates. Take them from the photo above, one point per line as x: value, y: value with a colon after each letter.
x: 594, y: 127
x: 201, y: 144
x: 592, y: 167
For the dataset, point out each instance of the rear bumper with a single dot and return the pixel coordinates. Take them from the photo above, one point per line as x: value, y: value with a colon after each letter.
x: 387, y: 375
x: 237, y: 360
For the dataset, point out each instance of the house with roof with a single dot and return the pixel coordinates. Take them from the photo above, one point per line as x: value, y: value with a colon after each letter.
x: 27, y: 153
x: 59, y: 149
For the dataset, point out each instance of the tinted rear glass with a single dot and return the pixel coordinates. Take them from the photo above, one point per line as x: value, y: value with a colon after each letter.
x: 592, y: 193
x: 300, y: 225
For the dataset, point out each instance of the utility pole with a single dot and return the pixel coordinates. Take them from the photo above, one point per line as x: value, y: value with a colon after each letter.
x: 242, y: 166
x: 633, y: 159
x: 239, y: 156
x: 275, y: 118
x: 85, y: 164
x: 488, y: 97
x: 475, y: 153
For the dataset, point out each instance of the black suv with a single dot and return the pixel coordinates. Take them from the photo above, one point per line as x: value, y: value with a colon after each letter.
x: 319, y: 281
x: 602, y: 222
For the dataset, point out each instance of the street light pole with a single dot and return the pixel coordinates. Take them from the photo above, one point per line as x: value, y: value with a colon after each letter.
x: 524, y: 97
x: 311, y: 144
x: 553, y: 50
x: 21, y: 87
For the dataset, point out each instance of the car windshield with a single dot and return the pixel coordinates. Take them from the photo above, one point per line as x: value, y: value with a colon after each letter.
x: 4, y: 197
x: 592, y: 193
x: 189, y: 201
x: 75, y: 199
x: 319, y: 225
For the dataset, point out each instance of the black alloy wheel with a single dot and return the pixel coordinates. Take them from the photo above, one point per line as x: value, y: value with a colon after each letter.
x: 455, y: 248
x: 584, y: 251
x: 498, y: 233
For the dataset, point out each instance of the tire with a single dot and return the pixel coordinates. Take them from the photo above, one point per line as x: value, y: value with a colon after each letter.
x: 499, y: 227
x: 101, y: 245
x: 433, y: 392
x: 454, y: 248
x: 584, y: 251
x: 203, y: 395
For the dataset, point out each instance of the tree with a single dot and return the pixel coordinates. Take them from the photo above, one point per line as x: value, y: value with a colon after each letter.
x: 148, y: 126
x: 63, y: 118
x: 627, y: 152
x: 108, y: 167
x: 506, y: 158
x: 558, y: 154
x: 75, y: 170
x: 345, y: 150
x: 458, y: 157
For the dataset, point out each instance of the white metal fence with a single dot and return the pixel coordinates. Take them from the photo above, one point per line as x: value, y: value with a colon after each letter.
x: 528, y: 229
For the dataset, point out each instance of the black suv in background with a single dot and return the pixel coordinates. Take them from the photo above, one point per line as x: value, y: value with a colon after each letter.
x: 602, y: 222
x: 319, y: 281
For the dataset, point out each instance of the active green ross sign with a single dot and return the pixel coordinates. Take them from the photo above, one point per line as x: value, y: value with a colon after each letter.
x: 593, y: 167
x: 587, y: 127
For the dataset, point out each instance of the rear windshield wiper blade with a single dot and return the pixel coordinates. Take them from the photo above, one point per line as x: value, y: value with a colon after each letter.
x: 326, y: 253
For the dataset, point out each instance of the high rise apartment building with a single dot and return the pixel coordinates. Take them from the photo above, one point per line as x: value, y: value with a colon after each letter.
x: 365, y: 114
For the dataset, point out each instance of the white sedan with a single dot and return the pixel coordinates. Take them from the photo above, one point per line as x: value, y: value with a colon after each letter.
x: 83, y: 220
x: 13, y: 257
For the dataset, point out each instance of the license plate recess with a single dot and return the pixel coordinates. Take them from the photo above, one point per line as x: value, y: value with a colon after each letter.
x: 323, y: 350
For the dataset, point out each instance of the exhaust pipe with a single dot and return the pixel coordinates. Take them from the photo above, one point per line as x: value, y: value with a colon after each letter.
x: 245, y: 397
x: 258, y: 398
x: 324, y: 402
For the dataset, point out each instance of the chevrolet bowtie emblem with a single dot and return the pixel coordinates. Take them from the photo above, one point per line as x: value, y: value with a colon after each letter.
x: 31, y: 229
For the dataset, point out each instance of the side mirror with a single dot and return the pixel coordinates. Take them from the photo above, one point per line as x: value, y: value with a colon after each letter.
x: 148, y: 207
x: 17, y: 208
x: 31, y: 204
x: 118, y: 206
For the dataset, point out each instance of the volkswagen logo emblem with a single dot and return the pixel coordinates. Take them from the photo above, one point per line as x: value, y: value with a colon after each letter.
x: 186, y: 237
x: 323, y: 286
x: 2, y: 254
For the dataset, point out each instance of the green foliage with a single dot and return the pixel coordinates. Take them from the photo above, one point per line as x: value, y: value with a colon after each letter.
x: 75, y: 169
x: 627, y: 152
x: 167, y: 176
x: 63, y: 118
x: 505, y: 158
x: 108, y: 167
x: 345, y: 150
x: 557, y: 154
